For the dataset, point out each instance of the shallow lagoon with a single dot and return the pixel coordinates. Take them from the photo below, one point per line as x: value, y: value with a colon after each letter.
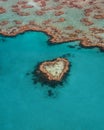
x: 77, y: 105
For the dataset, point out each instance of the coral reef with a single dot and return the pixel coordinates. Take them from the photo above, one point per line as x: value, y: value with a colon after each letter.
x: 63, y: 20
x: 51, y: 72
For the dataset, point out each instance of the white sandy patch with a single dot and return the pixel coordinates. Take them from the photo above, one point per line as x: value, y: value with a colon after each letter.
x: 100, y: 35
x: 56, y: 69
x: 33, y: 4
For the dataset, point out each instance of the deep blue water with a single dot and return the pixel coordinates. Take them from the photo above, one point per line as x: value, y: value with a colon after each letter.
x: 77, y: 105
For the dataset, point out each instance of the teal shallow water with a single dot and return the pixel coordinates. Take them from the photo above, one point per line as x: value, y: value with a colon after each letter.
x: 77, y: 105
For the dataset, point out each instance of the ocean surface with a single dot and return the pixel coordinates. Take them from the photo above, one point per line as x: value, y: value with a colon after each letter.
x: 76, y: 105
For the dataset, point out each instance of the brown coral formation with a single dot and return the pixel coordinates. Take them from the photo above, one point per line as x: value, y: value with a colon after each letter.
x: 2, y: 10
x: 87, y: 12
x: 17, y: 22
x: 86, y: 21
x: 26, y: 6
x: 23, y: 13
x: 100, y: 16
x: 43, y: 3
x: 69, y: 28
x: 39, y: 13
x: 59, y: 13
x: 61, y: 20
x: 3, y: 23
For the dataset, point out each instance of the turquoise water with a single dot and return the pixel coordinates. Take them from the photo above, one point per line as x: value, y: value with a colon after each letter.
x: 77, y: 105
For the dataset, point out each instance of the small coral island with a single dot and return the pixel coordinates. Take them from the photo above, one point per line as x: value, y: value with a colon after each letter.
x: 52, y: 72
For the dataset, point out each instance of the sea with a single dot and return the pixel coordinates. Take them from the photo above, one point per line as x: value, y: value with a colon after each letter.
x: 77, y: 104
